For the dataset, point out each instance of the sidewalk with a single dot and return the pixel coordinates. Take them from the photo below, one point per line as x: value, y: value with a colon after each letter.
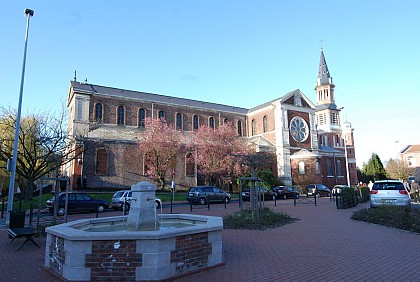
x: 323, y: 245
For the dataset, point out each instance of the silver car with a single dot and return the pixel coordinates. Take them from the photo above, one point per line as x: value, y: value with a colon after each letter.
x: 124, y: 197
x: 389, y: 192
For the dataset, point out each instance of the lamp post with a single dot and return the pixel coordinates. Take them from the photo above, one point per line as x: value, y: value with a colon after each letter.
x: 28, y: 13
x: 398, y: 162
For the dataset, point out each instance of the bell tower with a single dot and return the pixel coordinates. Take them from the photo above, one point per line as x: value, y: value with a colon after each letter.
x: 327, y: 114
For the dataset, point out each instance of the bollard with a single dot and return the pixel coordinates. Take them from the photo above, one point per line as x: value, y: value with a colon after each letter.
x: 2, y: 207
x: 97, y: 213
x: 208, y: 203
x: 31, y: 212
x: 190, y: 205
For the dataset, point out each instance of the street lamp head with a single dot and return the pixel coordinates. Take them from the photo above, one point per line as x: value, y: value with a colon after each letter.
x: 29, y: 12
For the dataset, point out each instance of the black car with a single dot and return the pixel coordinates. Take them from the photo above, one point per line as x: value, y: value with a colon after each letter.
x: 285, y: 192
x: 207, y: 194
x: 317, y: 190
x: 263, y: 192
x: 77, y: 202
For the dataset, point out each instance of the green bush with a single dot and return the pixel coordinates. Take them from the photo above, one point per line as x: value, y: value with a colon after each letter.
x: 391, y: 216
x: 347, y: 198
x: 267, y: 219
x: 364, y: 194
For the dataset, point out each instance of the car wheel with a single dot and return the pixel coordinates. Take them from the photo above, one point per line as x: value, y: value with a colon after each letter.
x: 61, y: 211
x: 157, y: 204
x: 202, y: 201
x: 100, y: 208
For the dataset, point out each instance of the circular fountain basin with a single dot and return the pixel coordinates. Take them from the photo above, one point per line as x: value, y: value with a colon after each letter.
x: 103, y: 249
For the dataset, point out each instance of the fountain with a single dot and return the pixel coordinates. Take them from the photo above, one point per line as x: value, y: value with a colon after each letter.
x: 138, y: 247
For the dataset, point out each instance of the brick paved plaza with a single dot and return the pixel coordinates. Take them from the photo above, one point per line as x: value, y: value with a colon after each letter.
x: 323, y: 245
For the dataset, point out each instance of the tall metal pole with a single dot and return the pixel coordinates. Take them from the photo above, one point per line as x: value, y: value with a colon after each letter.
x: 28, y: 13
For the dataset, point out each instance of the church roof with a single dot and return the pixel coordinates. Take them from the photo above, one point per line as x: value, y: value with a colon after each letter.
x: 283, y: 98
x: 331, y: 106
x: 93, y: 89
x: 324, y: 76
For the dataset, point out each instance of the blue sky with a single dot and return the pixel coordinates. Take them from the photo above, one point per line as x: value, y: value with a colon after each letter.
x: 241, y: 53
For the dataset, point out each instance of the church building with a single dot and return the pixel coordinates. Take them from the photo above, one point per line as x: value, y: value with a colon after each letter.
x: 310, y: 142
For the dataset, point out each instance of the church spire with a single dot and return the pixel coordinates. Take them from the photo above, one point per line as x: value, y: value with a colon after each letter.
x: 324, y: 76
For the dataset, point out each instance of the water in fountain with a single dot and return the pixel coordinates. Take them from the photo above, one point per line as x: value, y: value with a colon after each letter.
x: 142, y: 214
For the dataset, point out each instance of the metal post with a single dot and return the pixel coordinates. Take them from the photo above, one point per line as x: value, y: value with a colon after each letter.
x: 29, y: 13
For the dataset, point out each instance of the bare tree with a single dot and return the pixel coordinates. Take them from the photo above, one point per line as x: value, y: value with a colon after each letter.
x: 43, y: 145
x: 399, y: 169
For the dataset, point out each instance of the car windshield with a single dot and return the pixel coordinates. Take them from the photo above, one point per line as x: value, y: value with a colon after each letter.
x: 118, y: 194
x: 388, y: 186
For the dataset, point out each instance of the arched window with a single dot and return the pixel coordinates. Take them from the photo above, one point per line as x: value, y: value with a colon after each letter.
x: 329, y: 168
x: 195, y: 122
x: 339, y: 168
x: 301, y: 167
x: 98, y: 112
x: 179, y: 121
x: 161, y: 115
x: 239, y: 128
x: 189, y: 164
x: 317, y: 167
x: 225, y: 121
x: 211, y: 122
x: 253, y: 124
x: 142, y: 117
x: 101, y: 162
x: 120, y: 115
x: 265, y: 124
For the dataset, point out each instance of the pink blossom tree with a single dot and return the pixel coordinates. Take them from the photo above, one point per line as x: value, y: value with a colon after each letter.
x: 216, y: 151
x: 160, y: 144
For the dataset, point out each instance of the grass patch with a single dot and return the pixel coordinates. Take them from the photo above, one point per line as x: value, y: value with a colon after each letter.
x: 391, y: 216
x: 267, y: 219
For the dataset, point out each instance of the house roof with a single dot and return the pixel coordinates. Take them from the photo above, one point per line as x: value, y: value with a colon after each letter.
x: 411, y: 149
x: 93, y: 89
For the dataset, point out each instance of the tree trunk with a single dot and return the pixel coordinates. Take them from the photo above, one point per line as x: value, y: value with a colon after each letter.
x: 29, y: 190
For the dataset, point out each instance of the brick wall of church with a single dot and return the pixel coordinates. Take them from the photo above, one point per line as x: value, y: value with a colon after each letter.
x: 307, y: 143
x: 132, y: 107
x: 259, y: 125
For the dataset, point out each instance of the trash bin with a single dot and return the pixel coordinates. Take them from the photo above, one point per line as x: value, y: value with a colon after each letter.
x: 17, y: 218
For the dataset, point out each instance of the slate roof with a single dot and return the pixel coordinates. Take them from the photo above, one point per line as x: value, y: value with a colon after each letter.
x: 324, y: 76
x: 284, y: 97
x: 150, y: 97
x: 331, y: 106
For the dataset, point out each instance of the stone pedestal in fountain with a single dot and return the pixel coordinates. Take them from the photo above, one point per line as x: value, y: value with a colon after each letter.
x: 142, y: 214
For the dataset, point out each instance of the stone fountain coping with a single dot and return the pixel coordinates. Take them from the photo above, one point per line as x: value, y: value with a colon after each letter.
x: 69, y: 230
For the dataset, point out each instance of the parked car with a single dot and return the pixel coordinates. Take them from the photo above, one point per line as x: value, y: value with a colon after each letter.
x: 205, y: 194
x: 317, y: 190
x: 125, y: 196
x: 264, y: 192
x: 77, y: 202
x: 389, y: 192
x: 284, y: 192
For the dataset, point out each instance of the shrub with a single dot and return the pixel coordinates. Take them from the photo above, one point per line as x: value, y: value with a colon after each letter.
x: 267, y: 219
x: 391, y: 216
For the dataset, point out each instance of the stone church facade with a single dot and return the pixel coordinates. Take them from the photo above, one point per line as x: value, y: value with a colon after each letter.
x: 310, y: 143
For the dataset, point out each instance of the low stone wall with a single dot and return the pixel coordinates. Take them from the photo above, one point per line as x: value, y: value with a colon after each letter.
x: 121, y: 256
